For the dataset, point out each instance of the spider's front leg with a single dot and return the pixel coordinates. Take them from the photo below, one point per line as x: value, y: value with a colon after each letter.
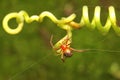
x: 63, y: 57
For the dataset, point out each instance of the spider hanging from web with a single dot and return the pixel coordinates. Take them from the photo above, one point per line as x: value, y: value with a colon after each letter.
x: 62, y: 47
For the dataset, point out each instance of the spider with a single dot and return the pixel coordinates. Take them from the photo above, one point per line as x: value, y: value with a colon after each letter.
x: 62, y: 47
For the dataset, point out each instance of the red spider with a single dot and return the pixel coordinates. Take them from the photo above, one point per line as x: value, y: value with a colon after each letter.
x: 64, y: 48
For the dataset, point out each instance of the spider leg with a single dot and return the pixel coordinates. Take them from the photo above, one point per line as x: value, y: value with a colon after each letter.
x: 62, y: 57
x: 59, y: 52
x: 51, y: 43
x: 68, y: 40
x: 76, y: 50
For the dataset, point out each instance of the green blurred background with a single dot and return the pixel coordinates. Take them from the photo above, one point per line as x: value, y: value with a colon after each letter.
x: 28, y: 55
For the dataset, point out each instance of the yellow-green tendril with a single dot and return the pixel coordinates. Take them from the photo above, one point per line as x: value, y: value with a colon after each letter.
x: 110, y: 22
x: 65, y: 22
x: 23, y: 16
x: 20, y: 23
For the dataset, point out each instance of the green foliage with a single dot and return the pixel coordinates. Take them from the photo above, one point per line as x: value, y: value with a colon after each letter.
x: 28, y: 55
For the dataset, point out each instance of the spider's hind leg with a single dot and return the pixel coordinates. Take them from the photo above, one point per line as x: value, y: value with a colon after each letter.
x: 51, y: 43
x: 76, y: 50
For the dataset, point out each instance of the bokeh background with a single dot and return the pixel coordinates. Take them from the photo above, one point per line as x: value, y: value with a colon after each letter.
x: 29, y: 56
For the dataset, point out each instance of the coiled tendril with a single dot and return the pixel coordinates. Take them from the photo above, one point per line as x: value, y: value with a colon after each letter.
x: 64, y: 22
x: 110, y: 22
x: 23, y: 16
x: 62, y: 47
